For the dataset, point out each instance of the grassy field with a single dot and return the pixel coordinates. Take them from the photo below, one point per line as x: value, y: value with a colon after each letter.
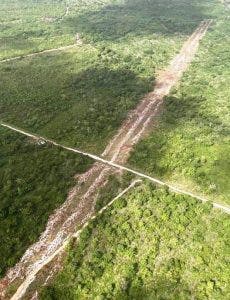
x: 151, y: 244
x: 34, y: 180
x: 191, y: 145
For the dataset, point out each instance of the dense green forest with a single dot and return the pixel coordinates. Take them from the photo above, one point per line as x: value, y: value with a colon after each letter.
x: 152, y: 244
x: 34, y: 180
x: 191, y: 145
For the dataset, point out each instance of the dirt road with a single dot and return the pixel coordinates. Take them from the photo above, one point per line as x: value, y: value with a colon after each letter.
x: 81, y: 201
x: 120, y: 167
x: 39, y: 53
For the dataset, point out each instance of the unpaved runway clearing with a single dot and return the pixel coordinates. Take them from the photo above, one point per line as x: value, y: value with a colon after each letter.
x: 79, y: 206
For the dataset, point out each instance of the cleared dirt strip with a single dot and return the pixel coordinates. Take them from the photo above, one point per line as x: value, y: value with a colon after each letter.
x: 118, y: 166
x: 39, y: 53
x: 32, y: 275
x: 79, y: 206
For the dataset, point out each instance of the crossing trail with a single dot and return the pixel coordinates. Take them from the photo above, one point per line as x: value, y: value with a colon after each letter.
x: 39, y: 53
x: 111, y: 163
x: 79, y: 206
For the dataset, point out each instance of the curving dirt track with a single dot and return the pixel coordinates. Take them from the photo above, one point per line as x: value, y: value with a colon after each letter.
x: 79, y: 206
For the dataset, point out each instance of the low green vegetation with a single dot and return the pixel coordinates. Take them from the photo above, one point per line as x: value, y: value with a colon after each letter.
x: 81, y: 96
x: 151, y: 244
x: 119, y: 20
x: 28, y: 26
x: 34, y: 180
x: 191, y: 145
x: 77, y: 98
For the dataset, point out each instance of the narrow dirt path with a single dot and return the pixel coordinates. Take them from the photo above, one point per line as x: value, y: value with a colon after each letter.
x: 39, y: 53
x: 112, y: 164
x: 76, y: 235
x: 62, y: 48
x: 81, y: 201
x: 67, y: 10
x: 66, y: 13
